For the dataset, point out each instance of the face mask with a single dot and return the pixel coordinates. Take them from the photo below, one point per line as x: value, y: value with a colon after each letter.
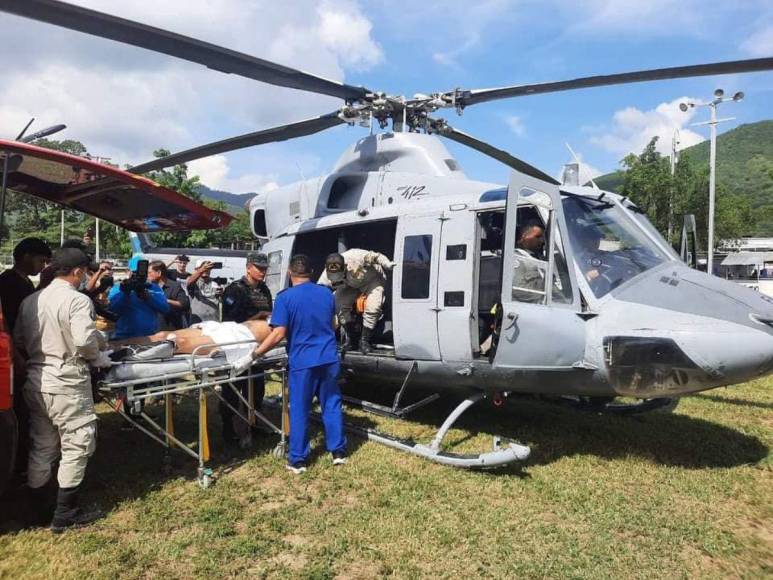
x: 336, y: 277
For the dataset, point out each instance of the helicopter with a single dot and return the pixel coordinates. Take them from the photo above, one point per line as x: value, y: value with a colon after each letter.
x: 617, y: 312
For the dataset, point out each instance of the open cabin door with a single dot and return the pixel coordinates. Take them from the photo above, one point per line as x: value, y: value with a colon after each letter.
x: 414, y: 288
x: 279, y: 251
x: 540, y: 326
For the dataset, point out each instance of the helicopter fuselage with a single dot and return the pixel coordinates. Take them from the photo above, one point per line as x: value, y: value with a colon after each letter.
x: 614, y: 310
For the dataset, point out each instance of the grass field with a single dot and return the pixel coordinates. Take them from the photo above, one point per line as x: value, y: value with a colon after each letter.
x: 687, y: 494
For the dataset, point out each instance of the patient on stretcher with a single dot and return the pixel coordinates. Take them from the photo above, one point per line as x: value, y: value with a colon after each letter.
x: 208, y: 337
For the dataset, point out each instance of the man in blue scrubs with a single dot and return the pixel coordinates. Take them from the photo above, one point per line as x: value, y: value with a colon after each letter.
x: 303, y: 314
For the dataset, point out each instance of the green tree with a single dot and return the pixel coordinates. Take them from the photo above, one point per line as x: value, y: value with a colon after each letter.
x: 648, y: 183
x: 176, y: 178
x: 647, y: 180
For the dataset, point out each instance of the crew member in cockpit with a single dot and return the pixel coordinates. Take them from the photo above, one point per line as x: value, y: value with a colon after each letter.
x: 589, y: 255
x: 530, y: 264
x: 351, y: 274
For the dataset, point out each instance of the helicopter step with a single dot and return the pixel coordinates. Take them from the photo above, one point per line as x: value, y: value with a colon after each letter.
x: 395, y: 411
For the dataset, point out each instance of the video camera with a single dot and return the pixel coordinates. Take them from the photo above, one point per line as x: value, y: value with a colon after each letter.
x: 138, y: 280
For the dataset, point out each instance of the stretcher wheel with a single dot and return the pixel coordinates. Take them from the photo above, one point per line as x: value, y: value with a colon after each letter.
x: 205, y: 478
x: 279, y: 451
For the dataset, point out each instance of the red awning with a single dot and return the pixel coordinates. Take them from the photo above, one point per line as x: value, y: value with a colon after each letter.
x: 111, y: 194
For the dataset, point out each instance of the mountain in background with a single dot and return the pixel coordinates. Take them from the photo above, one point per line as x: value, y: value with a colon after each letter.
x: 235, y: 201
x: 744, y: 167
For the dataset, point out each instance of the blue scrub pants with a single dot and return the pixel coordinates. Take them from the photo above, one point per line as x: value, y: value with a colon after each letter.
x: 321, y: 381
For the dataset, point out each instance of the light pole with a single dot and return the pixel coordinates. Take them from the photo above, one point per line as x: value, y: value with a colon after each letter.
x: 674, y: 160
x: 719, y: 97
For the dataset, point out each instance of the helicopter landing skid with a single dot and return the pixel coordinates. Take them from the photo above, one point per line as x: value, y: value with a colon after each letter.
x: 503, y: 453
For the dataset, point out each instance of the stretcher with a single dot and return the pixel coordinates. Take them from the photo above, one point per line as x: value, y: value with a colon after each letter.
x: 129, y: 384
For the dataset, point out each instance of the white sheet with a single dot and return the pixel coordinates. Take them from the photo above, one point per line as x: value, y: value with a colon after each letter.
x: 223, y: 332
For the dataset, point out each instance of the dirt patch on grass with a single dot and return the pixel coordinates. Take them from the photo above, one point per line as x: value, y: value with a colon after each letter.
x: 295, y: 561
x: 296, y: 541
x: 360, y: 571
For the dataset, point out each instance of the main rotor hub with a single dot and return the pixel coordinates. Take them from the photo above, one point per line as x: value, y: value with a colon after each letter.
x: 413, y: 113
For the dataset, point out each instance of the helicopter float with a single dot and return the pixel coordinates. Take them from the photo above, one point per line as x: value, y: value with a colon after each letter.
x: 618, y: 314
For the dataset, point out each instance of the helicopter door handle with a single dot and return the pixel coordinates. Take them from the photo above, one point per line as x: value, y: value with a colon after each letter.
x: 512, y: 317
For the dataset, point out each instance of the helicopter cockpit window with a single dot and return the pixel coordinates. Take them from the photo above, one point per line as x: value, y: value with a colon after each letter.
x: 610, y: 249
x: 530, y: 265
x: 417, y: 258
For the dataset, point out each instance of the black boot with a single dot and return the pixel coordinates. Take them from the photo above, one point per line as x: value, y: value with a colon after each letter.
x: 68, y: 514
x: 365, y: 346
x: 42, y: 501
x: 347, y: 332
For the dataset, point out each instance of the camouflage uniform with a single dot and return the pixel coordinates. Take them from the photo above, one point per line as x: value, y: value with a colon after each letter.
x: 365, y: 274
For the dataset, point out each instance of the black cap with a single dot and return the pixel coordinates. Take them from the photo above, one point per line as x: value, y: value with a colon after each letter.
x: 335, y: 263
x: 77, y: 244
x: 257, y: 258
x: 31, y: 246
x: 183, y: 258
x: 70, y: 258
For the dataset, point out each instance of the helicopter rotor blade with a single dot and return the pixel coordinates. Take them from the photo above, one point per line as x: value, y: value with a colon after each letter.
x: 444, y: 129
x: 173, y: 44
x: 466, y: 98
x: 274, y: 134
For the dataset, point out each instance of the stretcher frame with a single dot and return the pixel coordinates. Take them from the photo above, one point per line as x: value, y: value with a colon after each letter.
x: 126, y: 397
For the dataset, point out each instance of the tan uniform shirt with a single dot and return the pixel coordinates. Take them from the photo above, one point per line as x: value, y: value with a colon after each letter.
x: 362, y: 268
x: 55, y: 332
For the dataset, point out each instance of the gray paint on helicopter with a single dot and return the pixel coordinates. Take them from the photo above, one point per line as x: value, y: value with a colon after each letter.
x: 557, y: 348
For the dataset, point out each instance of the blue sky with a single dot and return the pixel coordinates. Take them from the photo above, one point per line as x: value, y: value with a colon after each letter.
x: 124, y: 102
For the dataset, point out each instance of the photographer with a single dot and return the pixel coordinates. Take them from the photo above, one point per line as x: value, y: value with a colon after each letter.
x: 180, y: 273
x: 179, y: 304
x: 97, y: 287
x: 137, y: 303
x: 205, y: 293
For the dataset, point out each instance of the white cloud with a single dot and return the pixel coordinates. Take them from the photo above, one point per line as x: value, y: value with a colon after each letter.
x: 760, y: 43
x: 516, y: 125
x: 632, y: 129
x: 123, y: 101
x: 465, y: 23
x: 346, y: 31
x: 684, y: 17
x: 215, y: 173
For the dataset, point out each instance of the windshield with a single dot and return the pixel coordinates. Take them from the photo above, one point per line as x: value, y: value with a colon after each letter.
x: 641, y: 218
x: 609, y: 248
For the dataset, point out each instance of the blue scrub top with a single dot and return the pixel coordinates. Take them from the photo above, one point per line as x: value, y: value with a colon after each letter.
x: 307, y: 312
